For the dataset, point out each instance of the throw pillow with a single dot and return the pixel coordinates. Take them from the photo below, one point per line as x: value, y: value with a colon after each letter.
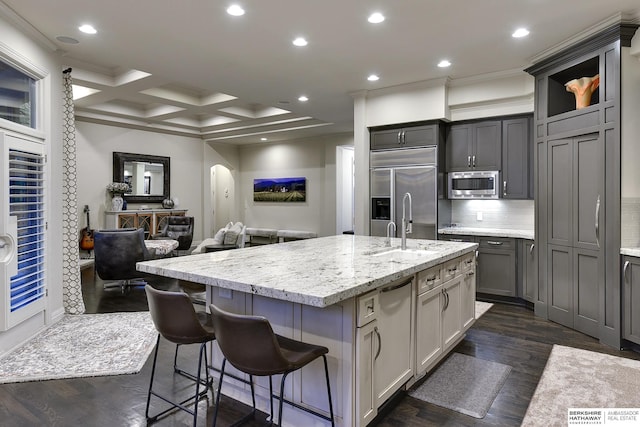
x: 231, y: 235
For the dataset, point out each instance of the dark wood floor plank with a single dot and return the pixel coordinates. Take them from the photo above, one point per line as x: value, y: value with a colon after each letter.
x: 507, y: 334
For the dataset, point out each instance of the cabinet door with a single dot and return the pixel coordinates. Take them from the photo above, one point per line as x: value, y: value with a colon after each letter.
x: 560, y: 281
x: 368, y: 344
x: 588, y: 192
x: 393, y: 368
x: 515, y: 158
x: 127, y: 220
x: 588, y: 273
x: 529, y: 271
x: 468, y: 299
x: 560, y: 185
x: 459, y: 148
x: 487, y: 146
x: 497, y: 267
x: 386, y: 139
x: 420, y: 136
x: 451, y: 312
x: 428, y: 329
x: 631, y: 299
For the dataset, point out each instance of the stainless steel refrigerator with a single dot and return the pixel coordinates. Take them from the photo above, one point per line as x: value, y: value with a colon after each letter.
x: 396, y: 172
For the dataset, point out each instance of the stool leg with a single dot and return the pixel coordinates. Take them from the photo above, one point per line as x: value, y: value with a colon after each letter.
x: 326, y: 372
x: 175, y: 359
x: 284, y: 377
x: 271, y: 398
x: 215, y: 412
x: 153, y: 371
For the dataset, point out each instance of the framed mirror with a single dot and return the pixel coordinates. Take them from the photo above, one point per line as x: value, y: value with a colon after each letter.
x: 148, y: 176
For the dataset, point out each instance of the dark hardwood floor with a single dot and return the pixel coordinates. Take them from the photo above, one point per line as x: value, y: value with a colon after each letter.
x: 506, y: 333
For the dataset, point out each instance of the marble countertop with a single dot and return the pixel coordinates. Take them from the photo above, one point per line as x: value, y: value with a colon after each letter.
x: 489, y: 232
x: 317, y: 272
x: 630, y: 251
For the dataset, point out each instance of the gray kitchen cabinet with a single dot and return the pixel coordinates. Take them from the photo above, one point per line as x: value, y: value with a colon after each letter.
x: 475, y: 146
x: 631, y: 299
x: 516, y: 152
x: 404, y: 137
x: 575, y: 216
x: 528, y: 270
x: 496, y: 271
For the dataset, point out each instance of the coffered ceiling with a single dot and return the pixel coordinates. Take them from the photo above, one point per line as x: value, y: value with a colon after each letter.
x: 189, y: 68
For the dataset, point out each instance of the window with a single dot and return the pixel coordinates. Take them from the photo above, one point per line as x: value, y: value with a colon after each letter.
x: 17, y: 96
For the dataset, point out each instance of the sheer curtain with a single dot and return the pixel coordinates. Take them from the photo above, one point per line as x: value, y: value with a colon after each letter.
x: 72, y: 289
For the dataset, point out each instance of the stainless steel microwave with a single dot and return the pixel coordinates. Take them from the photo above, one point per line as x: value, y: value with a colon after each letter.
x: 474, y: 185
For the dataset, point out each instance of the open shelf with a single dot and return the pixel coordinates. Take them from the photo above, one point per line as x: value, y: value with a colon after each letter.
x: 559, y: 100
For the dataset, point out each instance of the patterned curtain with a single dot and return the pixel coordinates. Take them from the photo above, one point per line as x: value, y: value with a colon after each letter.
x: 72, y: 289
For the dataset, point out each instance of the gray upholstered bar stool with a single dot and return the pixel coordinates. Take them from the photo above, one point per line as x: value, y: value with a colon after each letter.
x: 177, y: 321
x: 250, y: 345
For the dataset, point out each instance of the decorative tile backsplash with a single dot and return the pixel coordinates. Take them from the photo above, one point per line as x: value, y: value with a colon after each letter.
x: 630, y: 222
x: 511, y: 214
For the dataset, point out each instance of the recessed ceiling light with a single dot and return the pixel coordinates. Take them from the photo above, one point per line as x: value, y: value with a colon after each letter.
x: 376, y: 18
x: 264, y: 139
x: 303, y: 98
x: 88, y: 29
x: 520, y: 32
x: 444, y: 63
x: 373, y: 78
x: 300, y: 41
x: 235, y: 10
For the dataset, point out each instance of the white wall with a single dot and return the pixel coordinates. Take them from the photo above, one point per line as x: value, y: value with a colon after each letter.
x: 314, y: 159
x: 18, y: 45
x: 96, y: 144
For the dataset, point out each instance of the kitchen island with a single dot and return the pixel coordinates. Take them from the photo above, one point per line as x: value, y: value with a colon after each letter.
x: 387, y: 316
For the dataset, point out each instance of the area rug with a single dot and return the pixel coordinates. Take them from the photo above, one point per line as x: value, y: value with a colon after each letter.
x: 482, y: 308
x: 464, y: 384
x: 83, y: 345
x: 575, y: 378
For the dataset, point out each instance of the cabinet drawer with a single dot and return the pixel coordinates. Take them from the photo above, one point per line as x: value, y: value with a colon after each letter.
x: 497, y: 243
x: 367, y: 308
x: 467, y: 262
x: 429, y: 279
x: 450, y: 269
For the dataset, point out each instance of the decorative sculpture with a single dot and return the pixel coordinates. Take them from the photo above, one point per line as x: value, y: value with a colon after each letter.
x: 583, y: 88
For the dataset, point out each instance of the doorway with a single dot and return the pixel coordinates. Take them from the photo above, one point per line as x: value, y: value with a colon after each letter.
x: 222, y: 197
x: 345, y: 182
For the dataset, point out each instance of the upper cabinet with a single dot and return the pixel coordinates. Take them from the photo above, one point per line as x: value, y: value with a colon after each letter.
x: 475, y: 146
x: 405, y: 137
x: 517, y: 158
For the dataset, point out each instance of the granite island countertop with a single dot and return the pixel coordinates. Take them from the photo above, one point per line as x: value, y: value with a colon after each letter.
x: 317, y: 272
x: 489, y: 232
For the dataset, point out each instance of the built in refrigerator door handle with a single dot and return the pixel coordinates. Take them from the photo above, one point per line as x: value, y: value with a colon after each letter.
x: 468, y: 161
x: 598, y: 221
x: 474, y: 160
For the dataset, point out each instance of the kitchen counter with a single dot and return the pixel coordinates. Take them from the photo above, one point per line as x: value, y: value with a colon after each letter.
x: 489, y: 232
x: 630, y: 251
x: 316, y: 272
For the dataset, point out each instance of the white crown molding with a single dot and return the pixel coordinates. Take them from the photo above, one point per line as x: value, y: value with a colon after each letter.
x: 25, y: 26
x: 588, y: 32
x: 481, y: 78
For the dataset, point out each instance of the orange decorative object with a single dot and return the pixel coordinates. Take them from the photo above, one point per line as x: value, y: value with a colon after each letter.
x: 583, y: 88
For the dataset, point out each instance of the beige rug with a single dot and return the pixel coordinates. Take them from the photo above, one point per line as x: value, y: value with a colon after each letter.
x: 575, y: 378
x: 482, y: 308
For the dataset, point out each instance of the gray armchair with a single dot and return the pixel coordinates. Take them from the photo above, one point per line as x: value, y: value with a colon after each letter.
x: 116, y: 254
x: 178, y: 228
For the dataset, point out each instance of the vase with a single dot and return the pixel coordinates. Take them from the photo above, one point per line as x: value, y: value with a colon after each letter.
x: 116, y: 202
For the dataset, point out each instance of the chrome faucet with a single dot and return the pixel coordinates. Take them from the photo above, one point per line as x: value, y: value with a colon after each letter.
x: 388, y: 241
x: 406, y: 225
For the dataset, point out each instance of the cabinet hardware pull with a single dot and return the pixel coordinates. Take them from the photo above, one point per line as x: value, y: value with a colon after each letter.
x: 375, y: 329
x: 624, y: 270
x: 455, y: 240
x: 404, y: 141
x: 431, y: 279
x: 399, y: 137
x: 446, y: 301
x: 494, y: 243
x: 393, y: 288
x: 533, y: 245
x: 474, y: 160
x: 370, y: 308
x: 504, y: 188
x: 471, y: 273
x: 468, y: 161
x: 598, y: 221
x: 477, y: 253
x: 452, y: 269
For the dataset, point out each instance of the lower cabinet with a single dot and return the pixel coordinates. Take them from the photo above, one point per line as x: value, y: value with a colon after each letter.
x: 631, y: 299
x: 383, y: 345
x: 497, y: 266
x: 528, y: 275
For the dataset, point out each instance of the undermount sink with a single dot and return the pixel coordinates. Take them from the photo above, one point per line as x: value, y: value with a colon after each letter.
x: 406, y: 252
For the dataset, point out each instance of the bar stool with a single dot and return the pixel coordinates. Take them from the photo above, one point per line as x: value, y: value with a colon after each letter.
x: 250, y: 345
x: 177, y: 321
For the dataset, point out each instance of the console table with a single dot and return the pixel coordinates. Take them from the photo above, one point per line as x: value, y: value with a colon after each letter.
x: 151, y: 220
